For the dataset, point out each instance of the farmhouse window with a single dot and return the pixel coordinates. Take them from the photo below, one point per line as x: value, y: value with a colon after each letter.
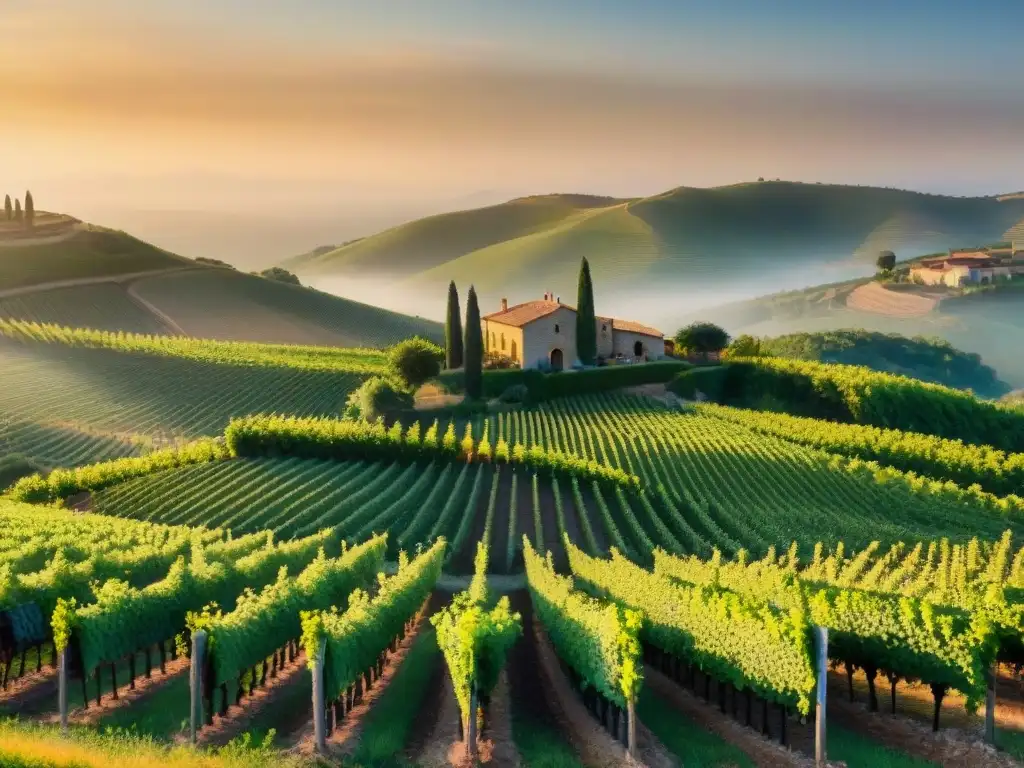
x: 503, y: 342
x: 556, y: 327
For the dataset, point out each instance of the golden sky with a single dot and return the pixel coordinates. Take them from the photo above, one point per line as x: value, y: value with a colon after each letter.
x: 100, y: 102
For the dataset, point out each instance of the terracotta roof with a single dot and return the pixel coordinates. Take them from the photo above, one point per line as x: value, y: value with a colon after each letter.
x: 522, y: 314
x: 631, y: 327
x: 526, y: 313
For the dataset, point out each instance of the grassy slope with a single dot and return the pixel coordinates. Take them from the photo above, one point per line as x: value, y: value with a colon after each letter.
x: 979, y: 323
x: 223, y: 304
x: 91, y: 252
x: 539, y: 239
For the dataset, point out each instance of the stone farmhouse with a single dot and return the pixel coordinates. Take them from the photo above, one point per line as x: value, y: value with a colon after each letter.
x: 971, y: 267
x: 542, y: 334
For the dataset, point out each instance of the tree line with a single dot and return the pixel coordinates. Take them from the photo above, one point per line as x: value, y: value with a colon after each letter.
x: 14, y: 212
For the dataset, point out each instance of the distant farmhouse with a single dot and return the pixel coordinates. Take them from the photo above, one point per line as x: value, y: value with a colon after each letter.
x: 977, y: 267
x: 542, y: 334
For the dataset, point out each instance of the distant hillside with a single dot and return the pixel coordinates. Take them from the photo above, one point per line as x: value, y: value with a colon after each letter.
x: 81, y: 252
x: 88, y: 276
x: 988, y: 323
x: 931, y: 360
x: 683, y: 240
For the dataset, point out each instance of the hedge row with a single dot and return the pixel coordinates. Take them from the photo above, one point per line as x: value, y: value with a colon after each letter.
x: 855, y: 395
x: 339, y: 440
x: 543, y: 386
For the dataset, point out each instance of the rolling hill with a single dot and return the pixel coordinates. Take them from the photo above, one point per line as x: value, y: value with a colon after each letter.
x: 745, y: 237
x: 88, y: 276
x: 987, y: 323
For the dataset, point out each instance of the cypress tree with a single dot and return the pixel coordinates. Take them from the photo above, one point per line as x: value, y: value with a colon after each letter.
x: 586, y: 322
x: 30, y: 209
x: 474, y: 349
x: 8, y: 208
x: 17, y: 209
x: 453, y: 352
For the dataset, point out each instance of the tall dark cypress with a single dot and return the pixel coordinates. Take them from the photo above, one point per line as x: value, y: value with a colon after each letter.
x: 8, y: 207
x: 474, y: 348
x: 30, y: 209
x: 453, y: 351
x: 586, y: 322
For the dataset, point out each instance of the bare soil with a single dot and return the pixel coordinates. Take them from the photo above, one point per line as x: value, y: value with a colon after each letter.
x: 524, y: 517
x: 30, y: 692
x: 761, y: 750
x: 959, y: 741
x: 594, y: 745
x: 551, y: 531
x: 344, y: 741
x: 240, y: 718
x: 463, y: 560
x: 499, y: 526
x: 126, y: 696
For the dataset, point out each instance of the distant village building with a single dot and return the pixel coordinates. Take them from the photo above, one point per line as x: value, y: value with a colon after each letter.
x: 542, y: 334
x: 977, y: 267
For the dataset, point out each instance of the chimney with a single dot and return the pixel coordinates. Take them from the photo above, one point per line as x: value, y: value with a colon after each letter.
x: 504, y: 305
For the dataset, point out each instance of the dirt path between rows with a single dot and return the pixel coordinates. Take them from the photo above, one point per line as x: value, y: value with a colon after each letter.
x: 26, y: 693
x: 126, y: 696
x: 240, y: 718
x: 344, y: 741
x: 763, y: 753
x: 593, y: 744
x: 957, y: 744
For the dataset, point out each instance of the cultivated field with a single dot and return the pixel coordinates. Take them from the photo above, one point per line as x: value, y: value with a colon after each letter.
x: 695, y: 546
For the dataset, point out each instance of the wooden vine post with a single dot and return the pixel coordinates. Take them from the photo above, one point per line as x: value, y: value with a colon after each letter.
x: 195, y: 682
x: 990, y: 706
x: 319, y: 704
x: 471, y: 725
x: 821, y: 634
x: 631, y: 726
x: 62, y: 690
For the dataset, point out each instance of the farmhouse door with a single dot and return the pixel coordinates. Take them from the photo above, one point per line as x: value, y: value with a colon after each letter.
x: 556, y: 359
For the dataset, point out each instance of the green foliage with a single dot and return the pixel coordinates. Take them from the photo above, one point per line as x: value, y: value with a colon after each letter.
x: 345, y: 440
x: 124, y: 619
x: 62, y: 483
x: 886, y: 261
x: 415, y: 360
x: 747, y: 643
x: 858, y: 395
x: 700, y: 383
x: 586, y: 321
x: 517, y: 393
x: 701, y: 338
x: 473, y: 349
x: 280, y: 275
x: 542, y: 386
x: 377, y: 398
x: 453, y: 330
x: 354, y: 639
x: 30, y: 209
x: 598, y: 639
x: 933, y: 360
x: 907, y: 637
x: 994, y: 471
x: 744, y: 346
x: 234, y: 353
x: 474, y: 638
x: 263, y: 622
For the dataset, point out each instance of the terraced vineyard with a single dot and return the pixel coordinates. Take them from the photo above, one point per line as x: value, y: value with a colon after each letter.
x: 709, y: 484
x: 103, y: 306
x: 162, y: 397
x: 62, y: 446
